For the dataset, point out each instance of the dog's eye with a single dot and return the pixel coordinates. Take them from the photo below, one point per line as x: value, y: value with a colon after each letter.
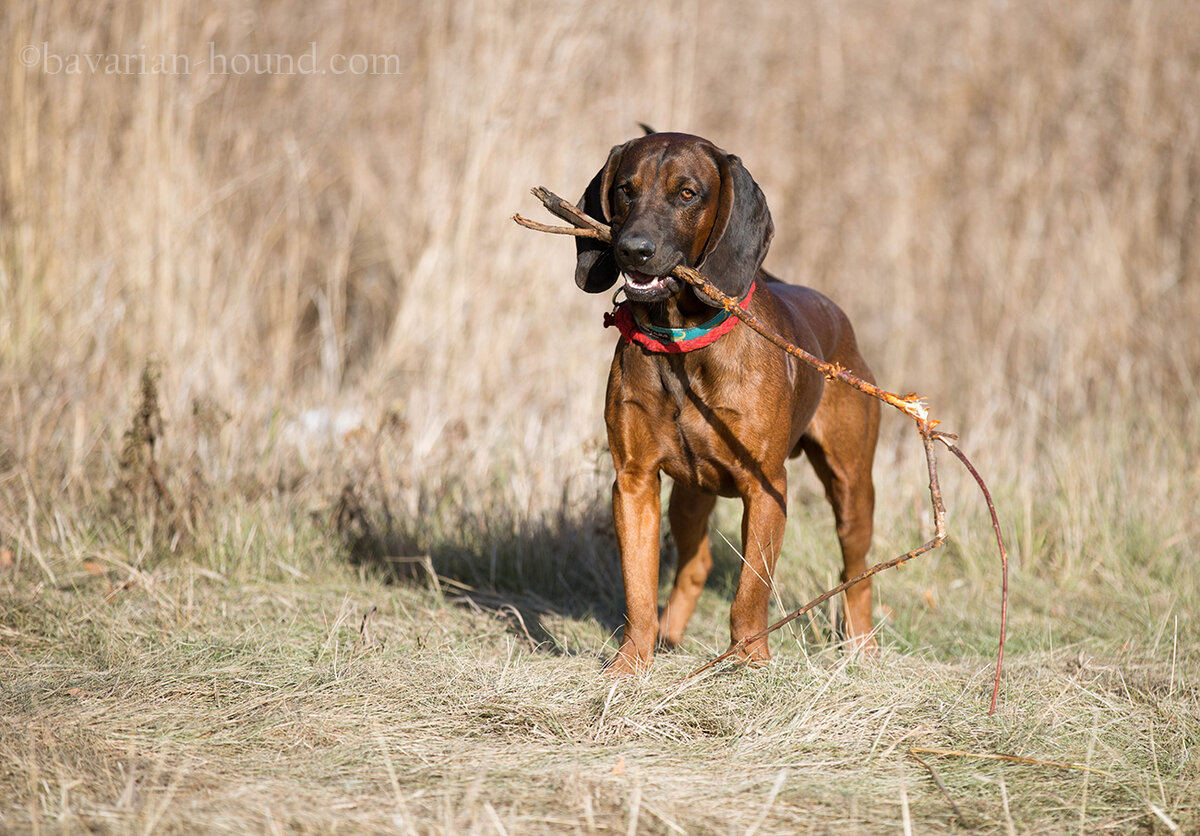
x: 686, y: 193
x: 625, y: 190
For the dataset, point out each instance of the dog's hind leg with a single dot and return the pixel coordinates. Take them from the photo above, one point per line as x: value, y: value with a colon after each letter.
x: 688, y: 512
x: 840, y: 444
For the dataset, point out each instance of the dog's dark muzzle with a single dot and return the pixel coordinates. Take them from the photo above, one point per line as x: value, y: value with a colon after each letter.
x: 646, y: 266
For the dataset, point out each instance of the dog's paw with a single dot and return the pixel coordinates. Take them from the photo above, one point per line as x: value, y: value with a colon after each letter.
x: 627, y: 663
x: 668, y: 640
x: 864, y: 646
x: 756, y: 654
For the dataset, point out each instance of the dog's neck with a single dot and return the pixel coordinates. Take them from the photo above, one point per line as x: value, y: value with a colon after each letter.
x: 634, y: 322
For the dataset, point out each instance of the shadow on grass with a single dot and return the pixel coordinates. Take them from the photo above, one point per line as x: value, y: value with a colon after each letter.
x: 532, y: 571
x: 562, y: 564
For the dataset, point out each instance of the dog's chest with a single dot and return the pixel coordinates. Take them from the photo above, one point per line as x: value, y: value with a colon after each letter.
x: 700, y: 424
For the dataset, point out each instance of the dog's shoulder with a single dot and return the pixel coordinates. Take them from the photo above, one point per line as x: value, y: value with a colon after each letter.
x: 796, y: 296
x: 809, y: 310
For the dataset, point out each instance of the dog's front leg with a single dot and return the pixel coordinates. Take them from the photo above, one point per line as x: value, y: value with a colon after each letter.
x: 637, y: 514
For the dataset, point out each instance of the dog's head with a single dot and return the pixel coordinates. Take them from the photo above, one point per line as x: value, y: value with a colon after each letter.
x: 673, y: 199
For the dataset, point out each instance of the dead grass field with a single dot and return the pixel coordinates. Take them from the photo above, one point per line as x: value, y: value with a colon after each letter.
x: 302, y: 476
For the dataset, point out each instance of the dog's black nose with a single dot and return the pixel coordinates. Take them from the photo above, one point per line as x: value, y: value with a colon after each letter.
x: 635, y: 250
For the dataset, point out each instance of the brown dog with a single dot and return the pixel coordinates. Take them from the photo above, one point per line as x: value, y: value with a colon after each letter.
x: 708, y: 401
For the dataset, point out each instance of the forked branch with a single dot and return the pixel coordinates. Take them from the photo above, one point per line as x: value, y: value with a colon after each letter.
x: 582, y: 225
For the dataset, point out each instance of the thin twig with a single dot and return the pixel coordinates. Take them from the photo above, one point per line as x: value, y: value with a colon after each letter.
x: 938, y: 780
x: 955, y: 753
x: 916, y: 751
x: 362, y: 628
x: 520, y: 620
x: 1003, y: 561
x: 576, y: 231
x: 582, y: 225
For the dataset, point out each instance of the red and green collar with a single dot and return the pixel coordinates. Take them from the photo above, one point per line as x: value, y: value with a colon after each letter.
x: 673, y: 340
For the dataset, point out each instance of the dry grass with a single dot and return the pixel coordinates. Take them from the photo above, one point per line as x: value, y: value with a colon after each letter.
x: 359, y: 358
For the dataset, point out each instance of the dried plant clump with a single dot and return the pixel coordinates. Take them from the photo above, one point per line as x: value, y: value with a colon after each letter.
x: 141, y: 489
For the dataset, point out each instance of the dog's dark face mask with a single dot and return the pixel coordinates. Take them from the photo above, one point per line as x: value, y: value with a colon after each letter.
x: 673, y: 199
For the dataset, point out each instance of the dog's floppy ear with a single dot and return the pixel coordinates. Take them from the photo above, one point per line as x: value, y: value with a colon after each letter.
x: 741, y: 233
x: 595, y: 266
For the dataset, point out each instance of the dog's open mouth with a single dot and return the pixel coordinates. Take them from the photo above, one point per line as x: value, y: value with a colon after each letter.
x: 640, y: 287
x: 643, y: 283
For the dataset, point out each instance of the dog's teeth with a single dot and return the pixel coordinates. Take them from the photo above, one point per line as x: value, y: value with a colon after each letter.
x: 644, y: 281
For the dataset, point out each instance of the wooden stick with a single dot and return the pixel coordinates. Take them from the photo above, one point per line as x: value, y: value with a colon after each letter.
x: 583, y: 225
x: 578, y: 232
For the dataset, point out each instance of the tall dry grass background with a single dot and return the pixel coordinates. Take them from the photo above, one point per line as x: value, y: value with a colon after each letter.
x: 1004, y: 196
